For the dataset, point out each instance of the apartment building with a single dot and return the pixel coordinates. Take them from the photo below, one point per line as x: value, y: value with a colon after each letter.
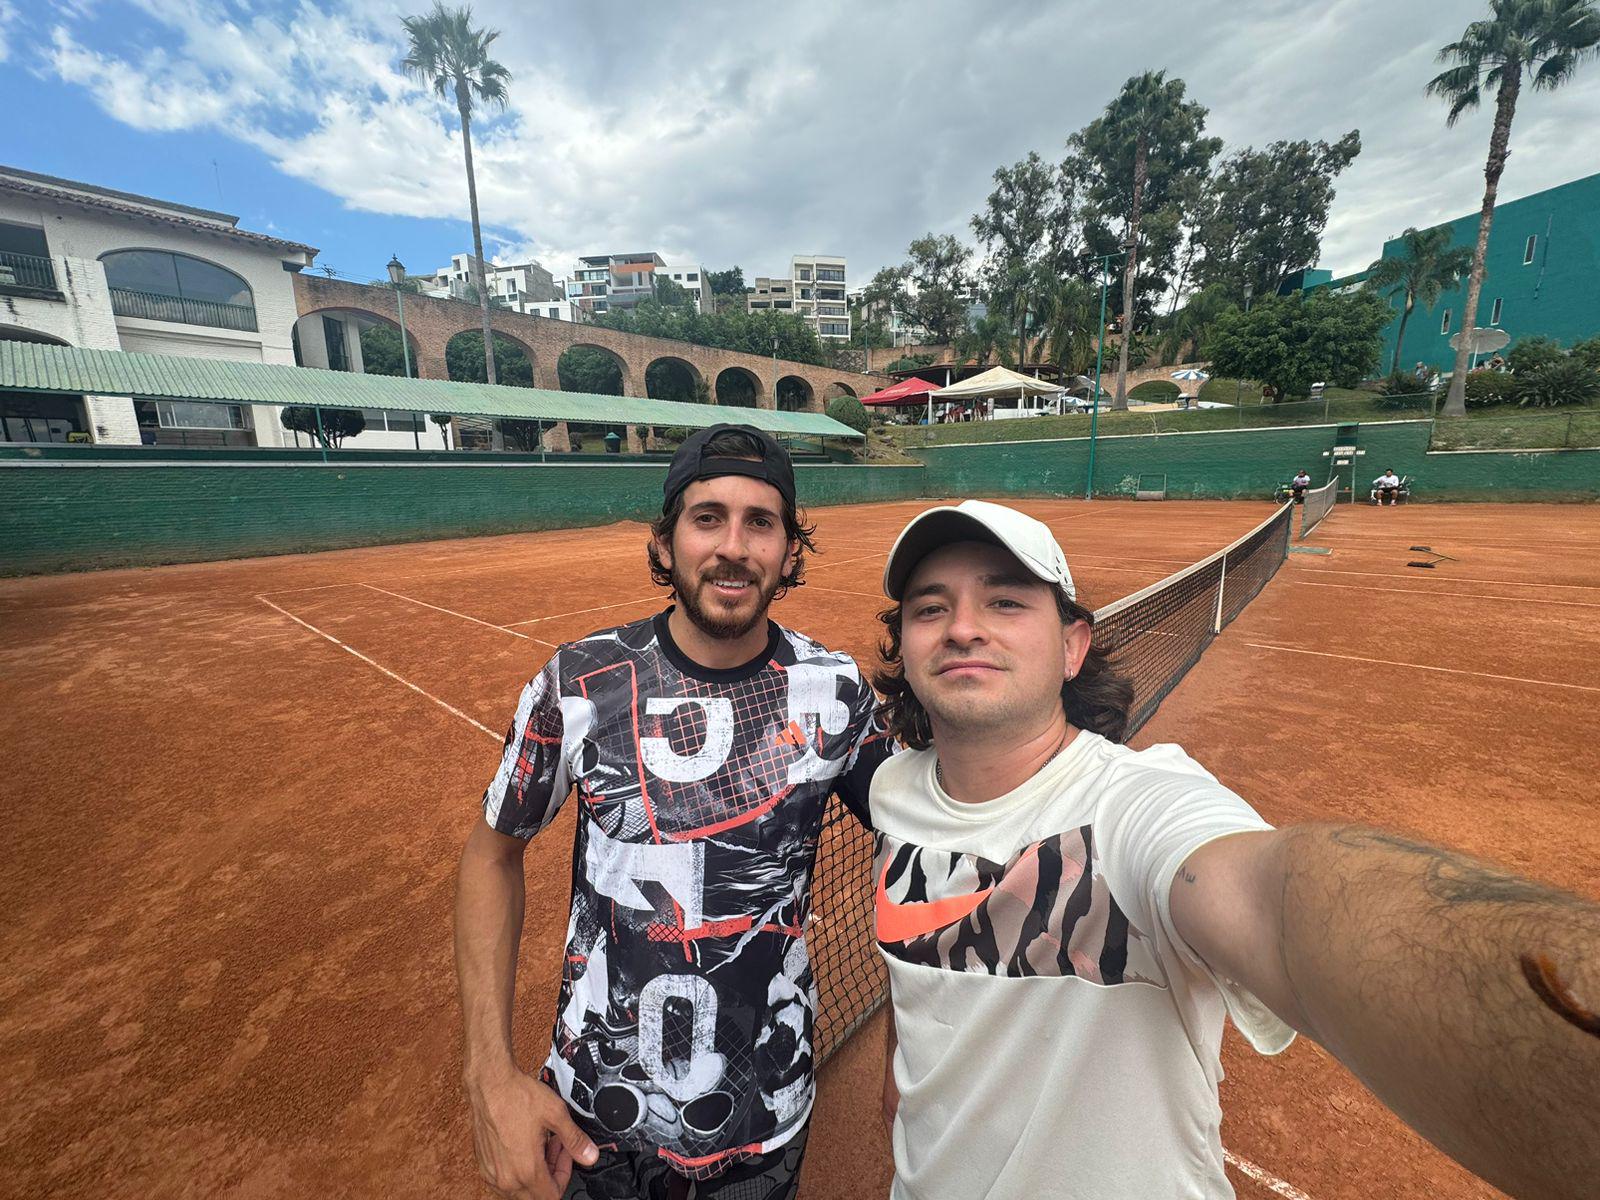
x: 814, y: 291
x: 607, y: 282
x: 522, y: 287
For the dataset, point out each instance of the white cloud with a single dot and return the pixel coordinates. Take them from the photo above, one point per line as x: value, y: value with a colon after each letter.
x: 8, y: 16
x: 744, y: 134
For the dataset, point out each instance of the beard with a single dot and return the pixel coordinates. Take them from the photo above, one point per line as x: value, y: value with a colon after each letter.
x: 708, y: 613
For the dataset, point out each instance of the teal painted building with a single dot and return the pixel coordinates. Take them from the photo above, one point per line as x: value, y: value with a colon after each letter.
x: 1541, y: 276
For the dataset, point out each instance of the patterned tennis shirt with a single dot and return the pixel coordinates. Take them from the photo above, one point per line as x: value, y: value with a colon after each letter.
x: 684, y: 1022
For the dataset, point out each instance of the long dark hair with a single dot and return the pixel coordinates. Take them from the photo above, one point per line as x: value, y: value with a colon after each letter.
x: 1097, y: 698
x: 733, y: 443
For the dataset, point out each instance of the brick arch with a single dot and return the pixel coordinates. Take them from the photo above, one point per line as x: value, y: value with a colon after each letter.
x: 759, y: 386
x: 377, y: 318
x: 808, y: 399
x: 629, y: 379
x: 696, y: 377
x: 533, y: 359
x: 836, y: 389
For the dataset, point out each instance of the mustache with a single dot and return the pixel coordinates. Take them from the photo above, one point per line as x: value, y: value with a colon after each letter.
x: 731, y: 575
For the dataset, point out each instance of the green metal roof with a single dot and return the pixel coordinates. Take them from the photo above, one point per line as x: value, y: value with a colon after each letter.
x: 36, y: 367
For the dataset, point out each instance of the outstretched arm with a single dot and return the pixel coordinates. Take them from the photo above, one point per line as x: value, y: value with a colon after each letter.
x: 1466, y: 998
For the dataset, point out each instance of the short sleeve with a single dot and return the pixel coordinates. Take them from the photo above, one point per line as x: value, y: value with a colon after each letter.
x: 870, y: 747
x: 532, y: 781
x: 1158, y: 808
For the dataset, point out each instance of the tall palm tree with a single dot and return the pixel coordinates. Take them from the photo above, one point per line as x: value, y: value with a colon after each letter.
x: 988, y: 335
x: 453, y: 57
x: 1427, y: 266
x: 1544, y: 39
x: 1070, y: 311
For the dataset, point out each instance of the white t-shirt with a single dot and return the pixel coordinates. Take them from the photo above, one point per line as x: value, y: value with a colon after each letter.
x: 1056, y: 1037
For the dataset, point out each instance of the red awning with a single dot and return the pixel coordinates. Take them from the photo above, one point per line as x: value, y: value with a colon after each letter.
x: 906, y: 392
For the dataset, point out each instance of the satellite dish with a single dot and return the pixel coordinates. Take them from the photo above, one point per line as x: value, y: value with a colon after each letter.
x: 1482, y: 340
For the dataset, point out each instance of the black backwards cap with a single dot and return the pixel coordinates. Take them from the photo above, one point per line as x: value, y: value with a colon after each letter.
x: 694, y: 461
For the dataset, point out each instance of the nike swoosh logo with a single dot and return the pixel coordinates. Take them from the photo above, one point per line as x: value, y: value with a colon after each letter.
x: 903, y: 922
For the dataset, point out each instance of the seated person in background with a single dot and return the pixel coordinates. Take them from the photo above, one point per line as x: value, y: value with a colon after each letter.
x: 1386, y: 487
x: 1301, y: 482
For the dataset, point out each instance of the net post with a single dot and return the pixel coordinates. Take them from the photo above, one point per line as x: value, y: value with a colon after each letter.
x: 1222, y: 591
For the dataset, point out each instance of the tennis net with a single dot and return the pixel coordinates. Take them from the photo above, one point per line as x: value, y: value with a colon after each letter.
x: 1318, y: 505
x: 1156, y: 635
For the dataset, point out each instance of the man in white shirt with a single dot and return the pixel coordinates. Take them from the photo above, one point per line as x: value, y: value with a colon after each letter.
x: 1386, y: 487
x: 1302, y: 481
x: 1066, y: 922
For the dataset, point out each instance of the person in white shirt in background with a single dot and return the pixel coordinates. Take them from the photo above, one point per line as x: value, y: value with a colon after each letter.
x: 1066, y: 921
x: 1386, y: 487
x: 1301, y: 482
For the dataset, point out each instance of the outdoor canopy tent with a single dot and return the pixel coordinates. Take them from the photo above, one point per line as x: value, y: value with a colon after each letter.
x: 36, y: 367
x: 905, y: 393
x: 997, y: 382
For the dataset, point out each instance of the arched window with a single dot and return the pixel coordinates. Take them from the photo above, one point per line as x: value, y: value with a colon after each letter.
x: 158, y: 285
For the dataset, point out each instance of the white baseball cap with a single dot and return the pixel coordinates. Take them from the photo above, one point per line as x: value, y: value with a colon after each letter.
x: 1028, y: 540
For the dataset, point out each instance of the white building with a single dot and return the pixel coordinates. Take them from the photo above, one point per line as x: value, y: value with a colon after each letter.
x: 87, y: 266
x: 522, y: 287
x: 814, y: 291
x: 691, y: 277
x: 607, y: 282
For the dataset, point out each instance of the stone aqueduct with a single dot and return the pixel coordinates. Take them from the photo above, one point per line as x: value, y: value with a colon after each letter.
x: 431, y: 323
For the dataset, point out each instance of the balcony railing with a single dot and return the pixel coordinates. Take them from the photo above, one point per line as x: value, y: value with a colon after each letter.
x: 26, y: 270
x: 152, y: 306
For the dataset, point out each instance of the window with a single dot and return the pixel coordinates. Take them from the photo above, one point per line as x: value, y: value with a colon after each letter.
x: 782, y: 304
x: 555, y: 314
x: 181, y: 414
x: 333, y: 335
x: 805, y: 293
x: 24, y: 257
x: 830, y: 293
x: 758, y: 304
x: 1494, y: 313
x: 399, y: 422
x: 157, y: 285
x: 1444, y: 326
x: 805, y: 274
x: 834, y: 328
x: 830, y: 275
x: 694, y: 276
x: 832, y: 310
x: 1527, y: 251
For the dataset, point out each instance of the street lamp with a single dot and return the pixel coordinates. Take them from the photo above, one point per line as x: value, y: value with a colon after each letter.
x: 397, y: 276
x: 1099, y: 356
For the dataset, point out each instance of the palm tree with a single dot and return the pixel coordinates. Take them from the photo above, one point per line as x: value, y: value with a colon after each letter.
x: 1070, y: 311
x: 1545, y: 39
x: 1191, y: 325
x: 1427, y: 266
x: 989, y: 335
x: 452, y: 56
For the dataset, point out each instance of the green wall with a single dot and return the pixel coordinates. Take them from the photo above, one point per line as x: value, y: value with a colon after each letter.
x: 82, y: 515
x: 1227, y: 465
x: 64, y: 512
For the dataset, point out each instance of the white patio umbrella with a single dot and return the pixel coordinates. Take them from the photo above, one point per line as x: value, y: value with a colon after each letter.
x: 1191, y: 373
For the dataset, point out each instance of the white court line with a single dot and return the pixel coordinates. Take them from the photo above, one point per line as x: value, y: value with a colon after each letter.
x: 882, y: 599
x: 578, y: 612
x: 1386, y: 662
x: 451, y: 612
x: 1358, y: 587
x: 1590, y: 587
x: 1265, y: 1178
x: 845, y: 562
x: 1443, y: 538
x: 451, y: 709
x: 314, y: 588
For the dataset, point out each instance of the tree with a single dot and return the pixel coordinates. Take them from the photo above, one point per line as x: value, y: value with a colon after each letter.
x: 335, y: 424
x: 935, y: 283
x: 1546, y: 39
x: 1261, y: 216
x: 847, y: 410
x: 988, y: 335
x: 726, y: 283
x: 585, y: 369
x: 466, y: 362
x: 449, y: 54
x: 1140, y: 153
x: 1426, y: 267
x: 1070, y: 310
x: 1191, y: 325
x: 1291, y: 342
x: 1588, y: 352
x: 442, y: 420
x: 380, y: 351
x: 670, y: 293
x: 1531, y: 353
x: 1024, y: 227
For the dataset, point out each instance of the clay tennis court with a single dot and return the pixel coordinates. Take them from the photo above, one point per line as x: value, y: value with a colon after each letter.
x: 237, y: 790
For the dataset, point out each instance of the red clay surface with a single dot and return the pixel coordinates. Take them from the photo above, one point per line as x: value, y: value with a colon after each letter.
x: 228, y: 875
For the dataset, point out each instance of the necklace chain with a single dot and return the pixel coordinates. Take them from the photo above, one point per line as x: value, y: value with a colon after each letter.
x: 938, y: 765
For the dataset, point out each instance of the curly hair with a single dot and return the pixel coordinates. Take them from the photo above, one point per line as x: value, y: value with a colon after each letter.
x: 732, y: 443
x: 1098, y: 698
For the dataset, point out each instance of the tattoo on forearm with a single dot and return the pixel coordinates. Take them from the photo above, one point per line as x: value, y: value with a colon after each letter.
x: 1548, y: 985
x: 1186, y: 875
x: 1457, y: 879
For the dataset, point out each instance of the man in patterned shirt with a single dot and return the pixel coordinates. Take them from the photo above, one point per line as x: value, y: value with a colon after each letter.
x: 702, y: 744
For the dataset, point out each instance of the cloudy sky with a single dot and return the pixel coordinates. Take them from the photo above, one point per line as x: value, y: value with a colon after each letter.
x: 728, y: 132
